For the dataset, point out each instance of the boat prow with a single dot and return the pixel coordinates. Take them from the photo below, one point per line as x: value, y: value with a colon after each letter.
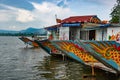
x: 28, y: 41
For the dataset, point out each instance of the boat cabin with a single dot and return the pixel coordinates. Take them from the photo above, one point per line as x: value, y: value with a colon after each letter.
x: 88, y: 27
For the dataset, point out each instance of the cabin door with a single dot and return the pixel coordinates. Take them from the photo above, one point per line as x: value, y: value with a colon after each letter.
x: 92, y: 35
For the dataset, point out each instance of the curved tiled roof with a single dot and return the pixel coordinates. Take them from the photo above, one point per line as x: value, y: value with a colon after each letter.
x: 74, y: 19
x: 78, y: 19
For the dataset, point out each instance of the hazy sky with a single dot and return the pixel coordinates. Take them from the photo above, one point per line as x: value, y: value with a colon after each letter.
x: 21, y: 14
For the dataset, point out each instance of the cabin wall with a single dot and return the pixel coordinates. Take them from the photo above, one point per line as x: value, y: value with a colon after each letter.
x: 64, y: 33
x: 55, y: 35
x: 48, y: 34
x: 101, y: 34
x: 74, y: 33
x: 78, y: 33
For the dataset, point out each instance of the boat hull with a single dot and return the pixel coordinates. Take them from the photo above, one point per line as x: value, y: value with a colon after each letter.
x: 28, y: 41
x: 103, y: 51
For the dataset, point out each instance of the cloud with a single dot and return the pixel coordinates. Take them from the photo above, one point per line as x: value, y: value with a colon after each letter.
x: 15, y: 14
x: 4, y: 17
x: 93, y: 7
x: 24, y: 16
x: 108, y: 2
x: 42, y: 15
x: 46, y: 11
x: 105, y: 2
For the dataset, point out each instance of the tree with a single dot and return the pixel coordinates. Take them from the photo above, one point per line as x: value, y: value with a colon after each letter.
x: 115, y: 14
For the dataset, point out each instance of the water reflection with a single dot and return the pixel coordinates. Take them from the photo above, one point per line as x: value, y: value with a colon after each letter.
x: 56, y: 69
x: 53, y: 68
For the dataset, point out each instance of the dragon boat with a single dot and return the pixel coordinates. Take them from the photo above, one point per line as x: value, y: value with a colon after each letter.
x: 106, y: 52
x: 29, y: 41
x: 49, y: 47
x: 80, y: 54
x: 102, y: 54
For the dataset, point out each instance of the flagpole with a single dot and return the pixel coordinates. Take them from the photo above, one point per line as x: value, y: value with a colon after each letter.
x: 57, y: 24
x: 55, y: 16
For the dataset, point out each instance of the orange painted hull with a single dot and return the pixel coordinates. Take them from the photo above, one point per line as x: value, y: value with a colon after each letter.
x: 28, y: 41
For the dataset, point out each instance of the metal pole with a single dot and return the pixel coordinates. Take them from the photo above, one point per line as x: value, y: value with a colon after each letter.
x: 102, y: 33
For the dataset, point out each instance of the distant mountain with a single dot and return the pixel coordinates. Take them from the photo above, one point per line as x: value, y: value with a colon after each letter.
x: 29, y: 30
x: 26, y: 31
x: 34, y: 30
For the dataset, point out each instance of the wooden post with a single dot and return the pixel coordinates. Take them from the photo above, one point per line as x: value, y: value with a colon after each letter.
x: 93, y: 73
x: 63, y: 57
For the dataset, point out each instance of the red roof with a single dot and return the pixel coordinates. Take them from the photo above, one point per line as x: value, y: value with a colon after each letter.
x: 53, y: 26
x: 78, y: 19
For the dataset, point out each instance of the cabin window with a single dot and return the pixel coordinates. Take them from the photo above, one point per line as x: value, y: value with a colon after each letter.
x: 84, y: 35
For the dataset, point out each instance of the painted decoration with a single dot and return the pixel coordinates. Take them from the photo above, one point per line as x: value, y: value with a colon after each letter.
x: 48, y: 45
x: 76, y: 50
x: 95, y: 20
x: 90, y: 25
x: 108, y: 52
x: 115, y: 37
x: 50, y: 37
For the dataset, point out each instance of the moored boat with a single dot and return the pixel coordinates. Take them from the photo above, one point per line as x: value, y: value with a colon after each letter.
x: 107, y: 52
x: 48, y: 47
x: 79, y: 54
x: 29, y: 41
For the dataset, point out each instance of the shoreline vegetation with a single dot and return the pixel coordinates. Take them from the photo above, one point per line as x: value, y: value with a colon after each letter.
x: 21, y: 34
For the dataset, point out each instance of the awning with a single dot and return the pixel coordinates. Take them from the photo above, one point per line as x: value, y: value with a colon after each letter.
x: 105, y: 25
x: 51, y: 28
x: 94, y: 26
x: 71, y: 24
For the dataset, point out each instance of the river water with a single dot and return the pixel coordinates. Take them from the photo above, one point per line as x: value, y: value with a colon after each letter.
x: 20, y: 63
